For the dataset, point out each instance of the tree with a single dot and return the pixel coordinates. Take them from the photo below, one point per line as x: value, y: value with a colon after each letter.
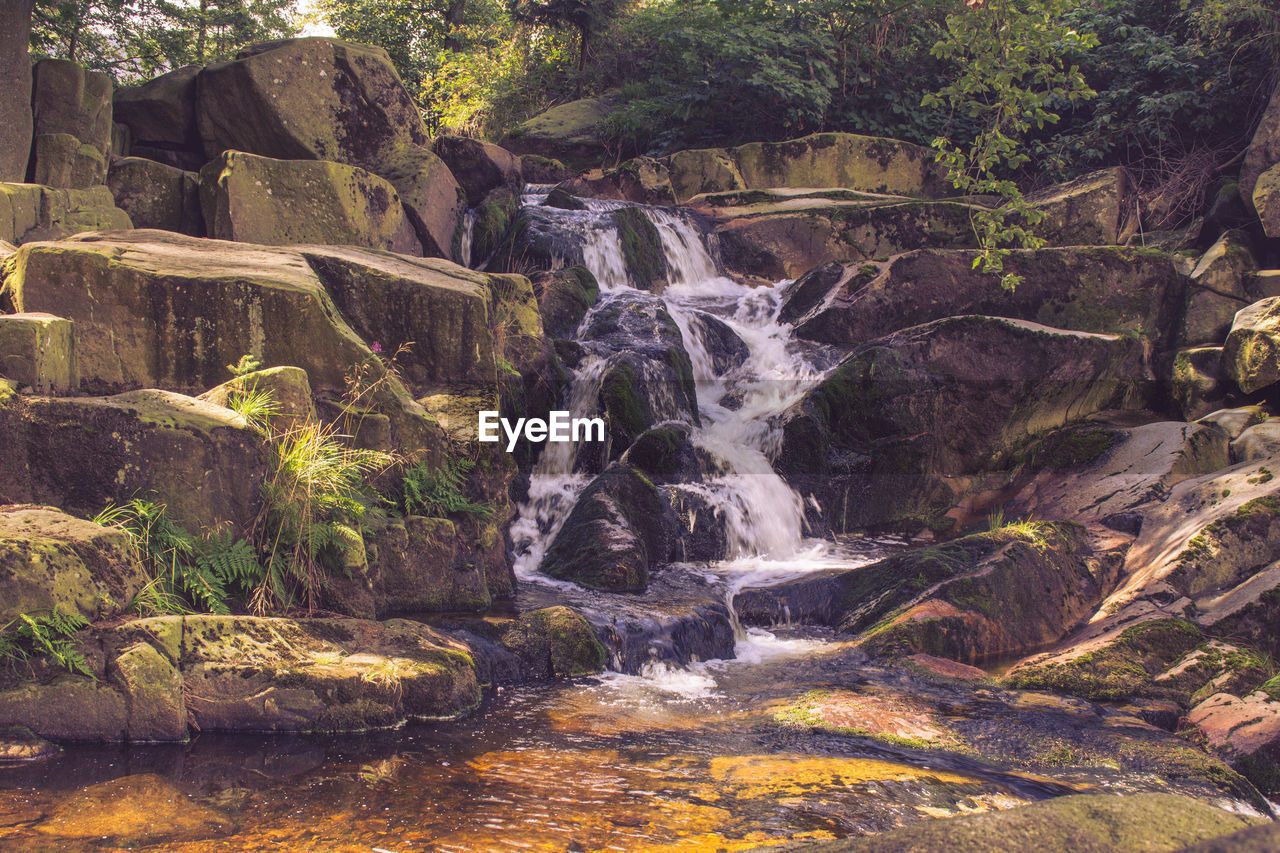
x: 1009, y: 55
x: 587, y: 17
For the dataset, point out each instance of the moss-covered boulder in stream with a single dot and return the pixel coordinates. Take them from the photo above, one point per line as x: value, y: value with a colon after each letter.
x: 642, y: 180
x: 1087, y: 289
x: 564, y: 297
x: 556, y: 642
x: 252, y: 199
x: 642, y: 252
x: 702, y: 170
x: 619, y: 528
x: 910, y: 422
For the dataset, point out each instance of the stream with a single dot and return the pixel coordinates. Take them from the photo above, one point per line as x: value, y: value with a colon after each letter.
x: 697, y: 738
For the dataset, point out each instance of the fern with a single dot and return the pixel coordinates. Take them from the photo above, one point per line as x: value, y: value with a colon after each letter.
x: 439, y: 491
x: 45, y: 635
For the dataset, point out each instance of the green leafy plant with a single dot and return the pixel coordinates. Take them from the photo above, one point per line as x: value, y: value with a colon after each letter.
x: 246, y: 364
x: 47, y: 634
x: 438, y: 491
x: 188, y: 573
x: 1009, y: 54
x: 256, y: 405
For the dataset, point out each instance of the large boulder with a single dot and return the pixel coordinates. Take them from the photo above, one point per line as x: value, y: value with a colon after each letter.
x: 564, y: 297
x: 290, y: 390
x: 252, y: 199
x: 868, y: 163
x: 71, y: 110
x: 703, y: 170
x: 1251, y: 354
x: 1246, y: 728
x: 1266, y: 200
x: 909, y: 422
x: 31, y: 212
x: 131, y: 810
x: 642, y: 180
x: 1092, y: 210
x: 479, y: 167
x: 158, y: 196
x: 15, y: 99
x: 1107, y: 290
x: 619, y: 528
x: 161, y: 117
x: 569, y: 133
x: 1198, y: 383
x: 50, y: 560
x: 1264, y: 149
x: 419, y: 565
x: 1221, y: 285
x: 39, y: 351
x: 200, y: 460
x: 326, y: 99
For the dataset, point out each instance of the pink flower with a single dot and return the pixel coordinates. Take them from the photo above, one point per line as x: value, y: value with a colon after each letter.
x: 377, y: 347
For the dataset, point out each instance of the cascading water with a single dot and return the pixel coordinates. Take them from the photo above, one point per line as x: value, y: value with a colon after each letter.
x: 738, y: 403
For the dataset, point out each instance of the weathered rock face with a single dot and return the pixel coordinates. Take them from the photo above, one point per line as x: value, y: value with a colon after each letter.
x: 1264, y: 149
x: 71, y: 111
x: 1082, y: 289
x: 1251, y: 354
x: 161, y: 117
x: 619, y: 528
x: 39, y: 351
x: 253, y: 199
x: 325, y: 99
x: 418, y: 564
x: 906, y: 418
x: 49, y: 560
x: 1092, y: 210
x: 1200, y: 386
x: 642, y: 180
x: 1266, y: 200
x: 479, y: 167
x: 15, y: 101
x: 1258, y: 442
x: 80, y: 453
x: 29, y: 212
x: 1247, y: 729
x: 289, y: 388
x: 867, y: 163
x: 556, y: 642
x: 157, y: 196
x: 1221, y: 285
x: 568, y: 133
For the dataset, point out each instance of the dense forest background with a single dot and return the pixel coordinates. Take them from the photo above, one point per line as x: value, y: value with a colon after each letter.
x: 1176, y: 85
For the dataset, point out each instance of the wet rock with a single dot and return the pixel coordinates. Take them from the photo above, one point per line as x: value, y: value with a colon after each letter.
x: 134, y: 809
x: 1251, y: 354
x: 81, y: 453
x: 1087, y: 823
x: 251, y: 199
x: 289, y: 389
x: 1092, y: 210
x: 38, y: 351
x: 152, y: 688
x: 536, y: 240
x: 68, y: 101
x: 1087, y: 289
x: 21, y: 744
x: 1200, y: 385
x: 1233, y: 422
x: 564, y: 297
x: 561, y: 199
x: 256, y: 674
x: 15, y: 99
x: 642, y: 252
x: 703, y: 530
x: 50, y: 560
x: 29, y: 212
x: 619, y: 528
x: 157, y: 196
x: 543, y: 170
x: 326, y: 99
x: 642, y: 180
x: 664, y: 454
x: 556, y: 642
x: 904, y: 416
x: 1264, y: 149
x: 721, y: 342
x: 418, y: 564
x: 569, y: 133
x: 87, y: 710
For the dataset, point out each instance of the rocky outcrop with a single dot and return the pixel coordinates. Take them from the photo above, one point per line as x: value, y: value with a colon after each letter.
x: 30, y: 212
x: 158, y: 196
x: 325, y: 99
x: 15, y: 100
x: 50, y: 560
x: 642, y: 180
x: 422, y: 565
x: 38, y: 351
x: 160, y: 115
x: 619, y: 528
x: 80, y: 453
x: 1247, y: 729
x: 251, y: 199
x: 910, y: 422
x: 479, y: 167
x: 1266, y: 200
x: 1264, y: 149
x: 1199, y: 384
x: 564, y: 297
x: 290, y: 390
x: 569, y: 133
x: 1093, y: 210
x: 71, y: 110
x: 1251, y: 354
x: 1221, y: 286
x: 1106, y: 290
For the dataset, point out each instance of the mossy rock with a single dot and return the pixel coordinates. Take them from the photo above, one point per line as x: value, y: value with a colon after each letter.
x: 642, y: 251
x: 564, y: 297
x: 870, y: 163
x: 156, y: 195
x: 561, y: 199
x: 704, y: 170
x: 569, y: 133
x: 556, y: 642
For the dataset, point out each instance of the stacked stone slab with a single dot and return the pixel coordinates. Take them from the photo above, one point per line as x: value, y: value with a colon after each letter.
x: 72, y: 124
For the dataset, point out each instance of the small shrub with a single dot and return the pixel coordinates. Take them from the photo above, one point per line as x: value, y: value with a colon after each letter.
x: 45, y: 635
x: 438, y: 492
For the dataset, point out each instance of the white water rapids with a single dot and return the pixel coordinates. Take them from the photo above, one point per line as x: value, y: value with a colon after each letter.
x: 762, y: 515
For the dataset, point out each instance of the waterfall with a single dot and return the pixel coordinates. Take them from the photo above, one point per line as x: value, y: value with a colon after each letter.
x: 762, y: 515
